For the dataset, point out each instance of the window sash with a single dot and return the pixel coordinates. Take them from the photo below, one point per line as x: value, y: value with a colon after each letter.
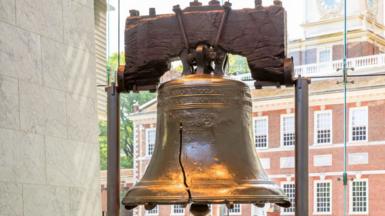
x: 324, y: 55
x: 323, y: 127
x: 359, y: 196
x: 154, y: 211
x: 178, y: 209
x: 287, y: 131
x: 261, y: 132
x: 150, y: 141
x: 289, y: 189
x: 359, y: 124
x: 236, y: 209
x: 322, y: 197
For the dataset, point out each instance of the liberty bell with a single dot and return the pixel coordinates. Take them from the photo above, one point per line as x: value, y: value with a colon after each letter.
x: 205, y: 151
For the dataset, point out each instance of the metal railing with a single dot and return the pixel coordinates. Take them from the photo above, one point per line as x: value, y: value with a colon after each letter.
x: 363, y: 65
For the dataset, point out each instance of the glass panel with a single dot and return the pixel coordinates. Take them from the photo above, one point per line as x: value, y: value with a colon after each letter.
x: 325, y: 55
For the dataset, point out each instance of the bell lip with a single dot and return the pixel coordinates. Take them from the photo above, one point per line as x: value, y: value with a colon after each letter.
x: 281, y: 201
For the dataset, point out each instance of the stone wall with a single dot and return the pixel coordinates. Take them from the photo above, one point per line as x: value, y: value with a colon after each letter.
x: 49, y: 158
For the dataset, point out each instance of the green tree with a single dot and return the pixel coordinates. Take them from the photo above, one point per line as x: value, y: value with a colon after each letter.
x: 103, y: 144
x: 127, y: 102
x: 238, y: 65
x: 126, y: 127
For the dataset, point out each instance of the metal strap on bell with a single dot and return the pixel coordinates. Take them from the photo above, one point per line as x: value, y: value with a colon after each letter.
x: 204, y: 151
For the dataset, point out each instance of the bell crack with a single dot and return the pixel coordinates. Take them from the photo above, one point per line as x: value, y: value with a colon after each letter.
x: 181, y: 163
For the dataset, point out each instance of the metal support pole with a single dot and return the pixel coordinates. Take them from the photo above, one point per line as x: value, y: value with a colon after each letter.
x: 301, y: 147
x: 113, y: 151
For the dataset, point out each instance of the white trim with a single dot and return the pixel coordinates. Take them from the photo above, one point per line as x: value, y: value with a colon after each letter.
x: 282, y: 184
x: 150, y: 102
x: 351, y: 173
x: 281, y: 130
x: 254, y: 209
x: 315, y: 197
x: 331, y: 146
x: 146, y: 141
x: 267, y: 131
x: 351, y: 126
x: 351, y: 197
x: 315, y: 132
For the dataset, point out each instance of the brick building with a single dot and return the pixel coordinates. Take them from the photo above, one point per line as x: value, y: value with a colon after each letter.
x: 318, y: 53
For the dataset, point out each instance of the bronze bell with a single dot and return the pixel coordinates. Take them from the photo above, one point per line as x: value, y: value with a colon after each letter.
x: 204, y: 151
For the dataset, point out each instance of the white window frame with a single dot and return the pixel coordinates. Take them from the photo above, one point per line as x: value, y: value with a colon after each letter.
x: 351, y: 197
x: 351, y: 124
x: 146, y: 141
x: 321, y: 49
x: 315, y: 197
x: 172, y: 210
x: 157, y: 212
x: 267, y: 130
x: 316, y: 113
x: 236, y: 213
x: 281, y: 130
x: 254, y: 210
x: 293, y: 206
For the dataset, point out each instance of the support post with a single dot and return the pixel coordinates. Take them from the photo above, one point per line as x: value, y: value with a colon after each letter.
x: 301, y: 147
x: 113, y: 151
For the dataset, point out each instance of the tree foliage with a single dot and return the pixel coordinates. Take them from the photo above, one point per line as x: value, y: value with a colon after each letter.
x: 127, y: 102
x: 238, y: 65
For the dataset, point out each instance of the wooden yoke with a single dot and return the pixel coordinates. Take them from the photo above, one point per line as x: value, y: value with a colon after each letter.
x: 258, y: 34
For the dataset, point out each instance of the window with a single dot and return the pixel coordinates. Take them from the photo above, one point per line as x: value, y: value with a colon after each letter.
x: 323, y: 127
x: 150, y: 141
x: 324, y: 55
x: 178, y: 209
x: 359, y: 124
x: 287, y: 130
x: 289, y: 189
x: 154, y: 211
x: 256, y: 211
x: 322, y: 197
x: 359, y: 196
x: 261, y: 129
x: 236, y: 210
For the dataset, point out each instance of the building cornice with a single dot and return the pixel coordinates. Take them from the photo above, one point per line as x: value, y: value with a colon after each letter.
x: 353, y: 36
x: 325, y: 174
x: 335, y: 96
x: 341, y: 19
x: 328, y: 146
